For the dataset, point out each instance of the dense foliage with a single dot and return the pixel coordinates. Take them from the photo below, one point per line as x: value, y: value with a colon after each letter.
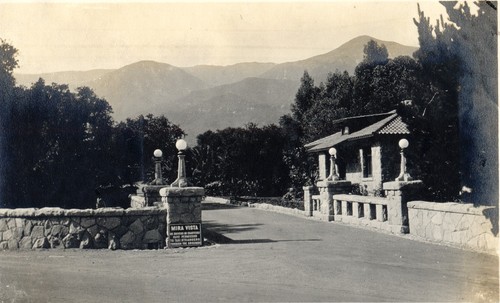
x: 459, y: 60
x: 58, y: 146
x: 241, y: 161
x: 135, y: 141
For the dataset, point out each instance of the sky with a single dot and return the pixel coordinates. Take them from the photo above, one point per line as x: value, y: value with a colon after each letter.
x: 63, y: 36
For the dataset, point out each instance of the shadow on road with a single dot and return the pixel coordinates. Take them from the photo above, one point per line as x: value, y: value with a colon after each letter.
x: 251, y: 241
x: 227, y: 228
x: 215, y: 233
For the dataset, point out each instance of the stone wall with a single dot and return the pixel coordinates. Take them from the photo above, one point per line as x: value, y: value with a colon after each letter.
x: 454, y: 223
x: 217, y: 200
x: 113, y: 228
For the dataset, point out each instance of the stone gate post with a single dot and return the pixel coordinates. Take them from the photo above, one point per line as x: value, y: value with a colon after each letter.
x: 326, y: 191
x: 308, y: 208
x: 183, y: 215
x: 398, y: 194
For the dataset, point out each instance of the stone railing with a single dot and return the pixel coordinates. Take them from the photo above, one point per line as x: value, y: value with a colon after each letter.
x: 316, y: 205
x: 459, y: 224
x: 113, y: 228
x: 363, y: 210
x: 388, y: 213
x: 321, y: 205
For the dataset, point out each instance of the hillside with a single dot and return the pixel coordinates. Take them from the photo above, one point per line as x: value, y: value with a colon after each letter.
x: 224, y: 111
x: 206, y: 97
x: 219, y: 75
x: 137, y: 88
x: 256, y: 100
x: 346, y: 57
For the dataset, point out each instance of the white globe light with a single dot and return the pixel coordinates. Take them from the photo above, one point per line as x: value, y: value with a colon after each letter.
x: 403, y: 143
x: 181, y: 144
x: 158, y: 153
x: 332, y: 151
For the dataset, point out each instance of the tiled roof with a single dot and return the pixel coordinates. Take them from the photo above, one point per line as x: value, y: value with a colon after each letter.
x: 395, y: 127
x: 392, y: 124
x: 364, y: 117
x: 326, y: 142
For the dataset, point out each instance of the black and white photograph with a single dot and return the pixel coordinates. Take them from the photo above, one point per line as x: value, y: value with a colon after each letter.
x: 249, y: 151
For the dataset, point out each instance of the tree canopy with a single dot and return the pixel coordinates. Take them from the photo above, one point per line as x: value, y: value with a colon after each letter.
x: 241, y: 161
x: 57, y: 147
x: 459, y: 59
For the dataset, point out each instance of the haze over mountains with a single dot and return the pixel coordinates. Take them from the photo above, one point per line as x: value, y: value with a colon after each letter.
x: 207, y: 97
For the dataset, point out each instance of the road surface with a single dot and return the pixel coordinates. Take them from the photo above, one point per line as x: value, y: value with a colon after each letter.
x: 265, y: 257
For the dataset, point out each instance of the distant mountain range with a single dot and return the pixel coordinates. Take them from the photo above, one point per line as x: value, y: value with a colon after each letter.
x: 207, y: 97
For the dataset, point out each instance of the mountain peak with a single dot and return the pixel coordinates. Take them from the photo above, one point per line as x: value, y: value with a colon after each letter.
x: 148, y: 64
x: 214, y: 97
x: 344, y: 58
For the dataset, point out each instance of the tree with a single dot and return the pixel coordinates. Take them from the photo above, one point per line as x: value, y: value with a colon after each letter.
x: 304, y: 98
x: 381, y: 83
x: 374, y: 54
x: 475, y: 42
x: 459, y: 63
x: 241, y: 161
x: 58, y: 147
x: 134, y: 142
x: 8, y: 62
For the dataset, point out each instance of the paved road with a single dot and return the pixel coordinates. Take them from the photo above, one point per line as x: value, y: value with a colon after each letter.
x: 268, y: 257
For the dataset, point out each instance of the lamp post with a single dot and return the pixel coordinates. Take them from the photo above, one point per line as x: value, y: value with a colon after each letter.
x: 158, y: 154
x: 403, y: 175
x: 333, y: 170
x: 181, y: 180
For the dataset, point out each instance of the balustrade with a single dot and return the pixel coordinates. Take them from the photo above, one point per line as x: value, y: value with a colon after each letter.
x: 361, y: 210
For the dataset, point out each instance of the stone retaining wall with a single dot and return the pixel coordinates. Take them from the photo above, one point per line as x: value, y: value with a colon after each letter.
x: 218, y: 200
x: 113, y: 228
x: 279, y: 209
x: 454, y: 223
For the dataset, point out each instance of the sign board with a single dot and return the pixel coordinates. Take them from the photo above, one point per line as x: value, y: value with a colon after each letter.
x: 185, y: 235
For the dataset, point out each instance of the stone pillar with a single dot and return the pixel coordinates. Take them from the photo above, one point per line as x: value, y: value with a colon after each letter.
x: 183, y: 215
x: 356, y: 213
x: 308, y: 207
x: 326, y: 190
x: 152, y: 190
x: 152, y: 194
x: 368, y: 211
x: 398, y: 194
x: 345, y: 212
